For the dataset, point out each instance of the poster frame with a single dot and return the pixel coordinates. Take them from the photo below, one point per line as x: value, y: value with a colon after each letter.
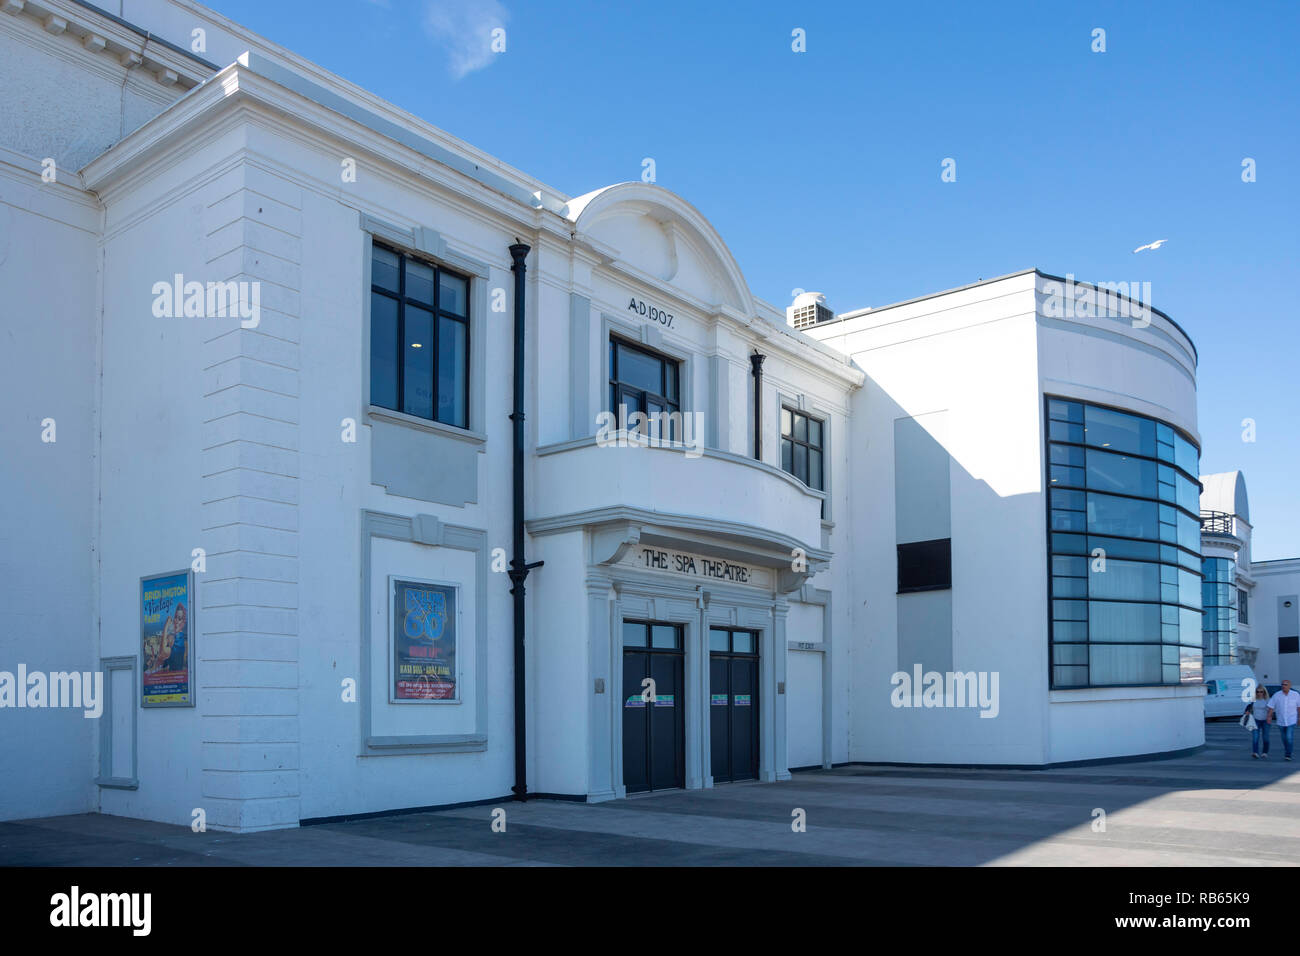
x: 191, y: 658
x: 456, y: 588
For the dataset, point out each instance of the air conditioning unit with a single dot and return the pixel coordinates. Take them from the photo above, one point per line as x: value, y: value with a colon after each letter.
x: 808, y: 309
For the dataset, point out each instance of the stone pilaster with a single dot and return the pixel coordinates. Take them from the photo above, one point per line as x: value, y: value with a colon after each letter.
x: 248, y: 672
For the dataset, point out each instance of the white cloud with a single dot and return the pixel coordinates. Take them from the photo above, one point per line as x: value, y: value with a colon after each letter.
x: 464, y: 29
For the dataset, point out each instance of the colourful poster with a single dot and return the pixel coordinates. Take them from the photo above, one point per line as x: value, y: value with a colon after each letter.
x: 424, y: 641
x: 167, y: 640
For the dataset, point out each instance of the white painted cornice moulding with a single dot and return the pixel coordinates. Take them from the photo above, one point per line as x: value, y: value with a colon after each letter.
x: 625, y: 524
x: 192, y: 118
x: 90, y: 34
x: 365, y: 98
x: 28, y: 169
x: 410, y: 131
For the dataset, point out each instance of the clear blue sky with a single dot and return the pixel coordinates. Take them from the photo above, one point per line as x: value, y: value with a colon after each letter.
x: 821, y: 169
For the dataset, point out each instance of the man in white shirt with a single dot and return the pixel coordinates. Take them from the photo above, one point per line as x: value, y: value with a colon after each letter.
x: 1282, y: 708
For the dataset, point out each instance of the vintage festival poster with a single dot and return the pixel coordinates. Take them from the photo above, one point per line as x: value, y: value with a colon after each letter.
x: 166, y: 627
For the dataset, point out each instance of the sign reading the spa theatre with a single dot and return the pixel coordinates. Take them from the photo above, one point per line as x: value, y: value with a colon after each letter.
x: 699, y: 566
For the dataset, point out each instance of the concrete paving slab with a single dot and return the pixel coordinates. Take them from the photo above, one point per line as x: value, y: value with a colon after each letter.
x: 1217, y: 807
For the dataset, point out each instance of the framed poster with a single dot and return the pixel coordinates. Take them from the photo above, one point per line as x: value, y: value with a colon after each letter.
x: 425, y: 626
x: 167, y: 640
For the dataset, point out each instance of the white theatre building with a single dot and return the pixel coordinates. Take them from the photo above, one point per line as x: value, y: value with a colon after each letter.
x: 280, y: 517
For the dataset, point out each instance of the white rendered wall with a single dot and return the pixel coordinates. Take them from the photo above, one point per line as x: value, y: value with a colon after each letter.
x: 160, y: 420
x: 971, y: 355
x: 1125, y: 721
x: 1275, y: 580
x: 560, y: 679
x: 48, y: 370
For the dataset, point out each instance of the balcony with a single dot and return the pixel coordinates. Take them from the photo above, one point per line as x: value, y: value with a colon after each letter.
x: 712, y: 491
x: 1218, y: 522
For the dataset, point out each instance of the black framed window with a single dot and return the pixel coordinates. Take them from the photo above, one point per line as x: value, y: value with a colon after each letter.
x: 652, y: 636
x: 802, y: 447
x: 733, y: 640
x: 1124, y: 585
x: 641, y: 380
x: 1243, y: 606
x: 419, y: 337
x: 925, y: 565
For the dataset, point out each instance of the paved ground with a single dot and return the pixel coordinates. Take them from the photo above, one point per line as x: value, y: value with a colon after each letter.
x: 1217, y: 807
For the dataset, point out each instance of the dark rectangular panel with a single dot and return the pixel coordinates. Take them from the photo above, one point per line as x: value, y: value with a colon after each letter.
x: 744, y: 719
x: 719, y: 718
x: 667, y: 724
x: 635, y: 724
x: 925, y: 565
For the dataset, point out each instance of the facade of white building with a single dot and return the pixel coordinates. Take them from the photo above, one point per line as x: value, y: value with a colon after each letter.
x: 1252, y: 608
x: 814, y: 515
x: 1275, y: 603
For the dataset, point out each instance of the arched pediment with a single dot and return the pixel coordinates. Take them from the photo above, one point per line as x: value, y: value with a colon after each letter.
x: 657, y: 232
x: 1226, y: 492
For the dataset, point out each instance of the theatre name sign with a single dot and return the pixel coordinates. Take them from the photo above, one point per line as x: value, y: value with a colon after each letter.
x: 699, y: 566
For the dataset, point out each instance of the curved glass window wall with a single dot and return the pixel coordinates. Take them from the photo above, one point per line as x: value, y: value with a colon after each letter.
x: 1124, y: 539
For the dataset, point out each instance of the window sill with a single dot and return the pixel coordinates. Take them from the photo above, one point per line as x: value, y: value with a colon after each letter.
x: 377, y: 412
x: 425, y: 744
x: 1065, y: 695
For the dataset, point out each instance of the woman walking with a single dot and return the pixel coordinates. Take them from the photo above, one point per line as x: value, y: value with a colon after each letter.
x: 1258, y: 709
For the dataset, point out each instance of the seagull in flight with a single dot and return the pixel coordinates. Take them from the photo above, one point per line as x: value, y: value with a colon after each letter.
x: 1152, y: 245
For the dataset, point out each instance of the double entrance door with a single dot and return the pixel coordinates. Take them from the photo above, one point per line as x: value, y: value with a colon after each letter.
x: 654, y: 713
x: 733, y: 704
x: 654, y: 708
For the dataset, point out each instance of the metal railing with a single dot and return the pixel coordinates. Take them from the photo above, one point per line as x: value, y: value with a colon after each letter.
x: 1217, y: 522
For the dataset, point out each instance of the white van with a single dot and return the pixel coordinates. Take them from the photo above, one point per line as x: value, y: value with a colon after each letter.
x: 1224, y: 686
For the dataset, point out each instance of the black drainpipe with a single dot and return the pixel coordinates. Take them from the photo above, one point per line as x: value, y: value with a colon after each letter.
x: 519, y: 568
x: 756, y: 362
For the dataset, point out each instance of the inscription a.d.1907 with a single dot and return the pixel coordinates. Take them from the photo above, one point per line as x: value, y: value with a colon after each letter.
x: 650, y: 312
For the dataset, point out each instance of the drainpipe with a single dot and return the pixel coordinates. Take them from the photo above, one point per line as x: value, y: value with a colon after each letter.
x: 756, y: 364
x: 519, y: 568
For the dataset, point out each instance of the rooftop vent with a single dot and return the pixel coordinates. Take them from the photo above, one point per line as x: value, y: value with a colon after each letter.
x: 808, y: 309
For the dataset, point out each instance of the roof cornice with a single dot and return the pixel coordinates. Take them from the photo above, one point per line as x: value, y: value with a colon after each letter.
x: 103, y: 35
x: 246, y: 85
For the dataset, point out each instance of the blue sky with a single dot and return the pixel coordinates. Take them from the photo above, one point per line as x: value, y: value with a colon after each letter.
x: 821, y: 170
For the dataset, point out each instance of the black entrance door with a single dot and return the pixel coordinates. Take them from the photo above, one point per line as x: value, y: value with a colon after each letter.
x: 733, y: 704
x: 654, y: 724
